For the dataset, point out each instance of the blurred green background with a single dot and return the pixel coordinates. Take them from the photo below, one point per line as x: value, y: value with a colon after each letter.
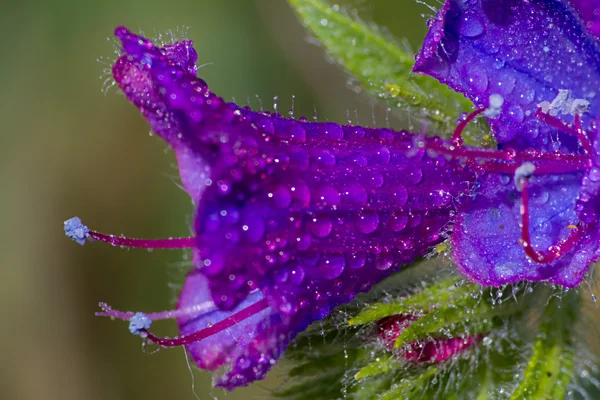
x: 68, y: 149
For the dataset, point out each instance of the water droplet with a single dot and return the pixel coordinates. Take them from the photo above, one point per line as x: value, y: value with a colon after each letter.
x: 326, y: 195
x: 300, y: 193
x: 253, y: 225
x: 414, y: 176
x: 367, y: 222
x: 297, y: 133
x: 594, y: 174
x: 376, y: 180
x: 478, y: 79
x: 303, y: 242
x: 281, y: 197
x: 516, y: 113
x: 297, y: 275
x: 527, y: 96
x: 213, y: 264
x: 399, y: 195
x: 414, y: 220
x: 264, y: 125
x: 321, y: 226
x: 359, y: 159
x: 332, y: 266
x: 299, y: 158
x: 323, y: 158
x: 357, y: 260
x: 354, y: 132
x: 471, y: 26
x: 331, y: 131
x: 506, y: 84
x: 398, y: 222
x: 384, y: 261
x: 355, y: 193
x: 282, y: 275
x: 383, y: 155
x: 541, y: 198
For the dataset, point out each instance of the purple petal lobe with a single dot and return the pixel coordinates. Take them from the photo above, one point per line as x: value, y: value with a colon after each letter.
x: 589, y: 11
x: 226, y: 346
x: 588, y: 202
x: 525, y: 51
x: 486, y: 237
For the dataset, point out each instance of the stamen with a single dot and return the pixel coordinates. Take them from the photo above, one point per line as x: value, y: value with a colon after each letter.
x: 553, y: 252
x: 577, y: 131
x: 457, y: 139
x: 495, y: 106
x: 507, y: 155
x: 211, y: 330
x: 77, y: 231
x: 522, y: 174
x: 545, y: 168
x: 191, y: 311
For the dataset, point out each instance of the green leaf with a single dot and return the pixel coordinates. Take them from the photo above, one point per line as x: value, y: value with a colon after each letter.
x: 447, y: 291
x: 381, y: 66
x: 550, y: 368
x: 408, y: 387
x: 379, y: 366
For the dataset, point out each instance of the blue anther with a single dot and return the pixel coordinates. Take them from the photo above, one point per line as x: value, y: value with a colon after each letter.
x: 138, y: 323
x: 76, y: 230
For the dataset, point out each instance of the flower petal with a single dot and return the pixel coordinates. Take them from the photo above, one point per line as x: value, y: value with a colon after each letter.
x: 136, y: 76
x: 486, y: 236
x: 226, y: 346
x: 308, y: 214
x: 525, y: 51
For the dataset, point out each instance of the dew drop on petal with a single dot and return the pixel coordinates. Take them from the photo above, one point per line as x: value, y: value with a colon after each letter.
x: 594, y: 174
x: 323, y: 158
x: 516, y: 113
x: 332, y: 266
x: 384, y: 261
x: 399, y: 195
x: 471, y: 26
x: 304, y: 242
x: 478, y: 79
x: 355, y: 193
x: 321, y: 226
x: 367, y: 222
x: 281, y: 197
x: 414, y: 176
x: 376, y: 180
x: 398, y: 222
x: 297, y: 275
x: 326, y: 195
x: 357, y: 260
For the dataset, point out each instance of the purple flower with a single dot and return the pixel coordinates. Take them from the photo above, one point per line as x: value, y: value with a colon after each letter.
x: 539, y: 57
x: 294, y: 218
